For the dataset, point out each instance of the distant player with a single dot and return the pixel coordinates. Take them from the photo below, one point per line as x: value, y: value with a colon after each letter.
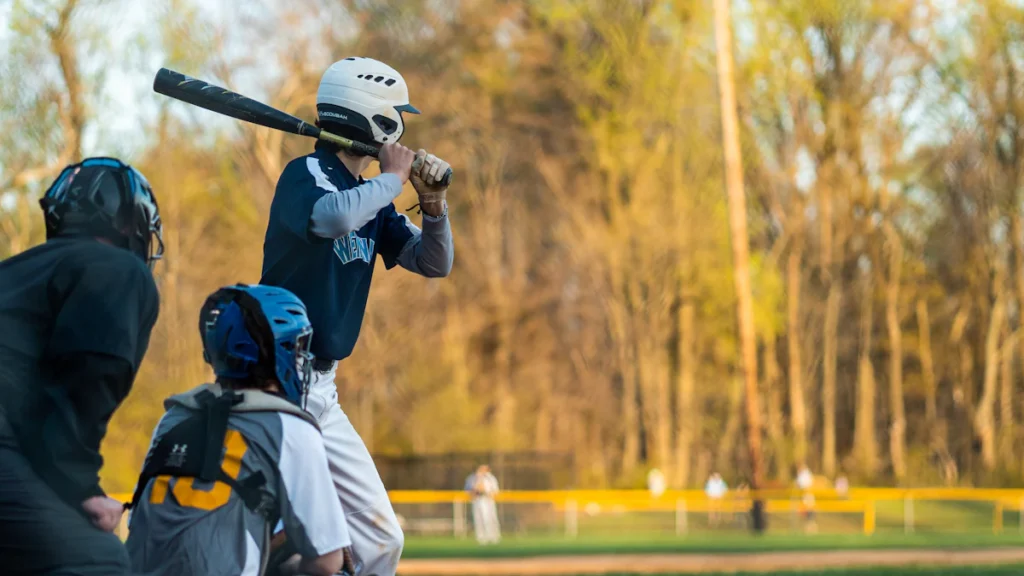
x: 327, y: 227
x: 75, y: 317
x: 230, y: 460
x: 483, y: 487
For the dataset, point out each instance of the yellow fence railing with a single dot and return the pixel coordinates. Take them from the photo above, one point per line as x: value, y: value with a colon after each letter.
x: 682, y: 503
x: 1007, y: 496
x: 862, y: 501
x: 626, y: 496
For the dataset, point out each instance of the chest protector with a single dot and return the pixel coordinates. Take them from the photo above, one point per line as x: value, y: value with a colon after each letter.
x: 193, y: 447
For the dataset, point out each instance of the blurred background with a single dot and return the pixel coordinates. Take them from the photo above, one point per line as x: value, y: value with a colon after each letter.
x: 588, y: 333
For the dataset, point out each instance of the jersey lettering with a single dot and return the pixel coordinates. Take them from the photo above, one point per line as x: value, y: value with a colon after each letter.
x: 352, y: 247
x: 217, y: 496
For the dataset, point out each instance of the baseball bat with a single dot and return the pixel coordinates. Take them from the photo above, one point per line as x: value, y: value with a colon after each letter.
x: 223, y: 101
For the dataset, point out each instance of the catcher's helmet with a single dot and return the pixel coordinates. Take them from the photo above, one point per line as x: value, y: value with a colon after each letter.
x: 258, y: 331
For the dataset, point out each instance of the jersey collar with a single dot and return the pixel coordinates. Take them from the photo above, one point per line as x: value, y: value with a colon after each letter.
x: 331, y: 161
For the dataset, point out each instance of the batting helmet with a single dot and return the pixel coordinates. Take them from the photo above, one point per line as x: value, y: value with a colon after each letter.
x: 364, y: 99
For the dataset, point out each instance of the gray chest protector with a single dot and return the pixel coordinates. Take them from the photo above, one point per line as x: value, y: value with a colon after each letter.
x: 192, y: 448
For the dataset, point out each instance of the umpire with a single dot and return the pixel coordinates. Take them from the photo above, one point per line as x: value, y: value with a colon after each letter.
x: 75, y: 317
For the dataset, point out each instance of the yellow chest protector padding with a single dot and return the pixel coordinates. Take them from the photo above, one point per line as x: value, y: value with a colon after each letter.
x: 192, y: 448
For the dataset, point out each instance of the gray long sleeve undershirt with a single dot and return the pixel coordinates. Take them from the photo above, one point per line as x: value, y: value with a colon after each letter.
x: 429, y: 252
x: 335, y: 215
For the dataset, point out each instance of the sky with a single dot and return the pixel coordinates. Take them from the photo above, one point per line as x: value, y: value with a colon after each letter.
x: 119, y: 110
x: 126, y: 99
x: 125, y: 91
x: 129, y: 88
x: 128, y: 52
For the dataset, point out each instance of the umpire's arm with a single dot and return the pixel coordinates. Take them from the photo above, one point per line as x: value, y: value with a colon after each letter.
x: 81, y: 397
x: 107, y: 310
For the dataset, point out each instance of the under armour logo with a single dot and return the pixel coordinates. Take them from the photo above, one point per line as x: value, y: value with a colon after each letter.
x: 177, y: 456
x: 211, y: 320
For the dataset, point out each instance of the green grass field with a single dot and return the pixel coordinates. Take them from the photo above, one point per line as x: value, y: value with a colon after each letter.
x: 968, y: 517
x: 533, y: 531
x: 423, y: 547
x: 951, y: 571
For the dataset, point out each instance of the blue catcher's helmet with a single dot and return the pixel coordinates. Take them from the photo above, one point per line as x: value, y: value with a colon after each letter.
x: 105, y: 197
x: 258, y: 331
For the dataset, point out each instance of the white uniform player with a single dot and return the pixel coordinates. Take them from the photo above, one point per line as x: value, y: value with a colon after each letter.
x: 483, y: 486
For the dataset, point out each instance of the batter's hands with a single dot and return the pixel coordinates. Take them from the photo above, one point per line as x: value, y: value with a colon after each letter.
x: 104, y: 512
x: 427, y: 172
x: 396, y: 159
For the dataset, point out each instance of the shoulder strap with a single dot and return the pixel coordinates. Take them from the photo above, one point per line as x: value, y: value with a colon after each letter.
x: 259, y: 401
x: 250, y: 490
x: 215, y: 412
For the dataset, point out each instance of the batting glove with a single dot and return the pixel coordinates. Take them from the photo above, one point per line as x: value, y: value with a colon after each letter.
x: 427, y: 171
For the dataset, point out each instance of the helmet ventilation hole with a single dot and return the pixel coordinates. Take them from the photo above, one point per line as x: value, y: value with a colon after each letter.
x: 390, y: 81
x: 378, y: 78
x: 386, y: 125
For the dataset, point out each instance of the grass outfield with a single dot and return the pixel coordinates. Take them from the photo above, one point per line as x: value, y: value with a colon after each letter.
x: 528, y: 520
x: 423, y: 547
x: 897, y: 571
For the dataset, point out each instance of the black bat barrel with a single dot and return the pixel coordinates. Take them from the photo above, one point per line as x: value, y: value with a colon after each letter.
x: 224, y: 101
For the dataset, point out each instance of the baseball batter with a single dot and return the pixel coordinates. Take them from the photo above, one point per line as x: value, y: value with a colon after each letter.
x: 327, y: 227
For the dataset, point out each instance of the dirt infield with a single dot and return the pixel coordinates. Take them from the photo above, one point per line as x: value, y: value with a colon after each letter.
x: 703, y: 563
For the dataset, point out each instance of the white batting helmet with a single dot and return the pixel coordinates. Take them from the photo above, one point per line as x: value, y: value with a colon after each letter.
x: 364, y: 94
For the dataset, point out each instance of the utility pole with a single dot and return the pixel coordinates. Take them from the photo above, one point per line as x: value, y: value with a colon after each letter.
x: 740, y: 250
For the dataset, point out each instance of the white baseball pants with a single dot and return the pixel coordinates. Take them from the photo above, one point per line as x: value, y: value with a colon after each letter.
x: 485, y: 520
x: 377, y: 538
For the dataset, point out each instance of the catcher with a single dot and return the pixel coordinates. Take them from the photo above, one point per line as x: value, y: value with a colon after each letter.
x: 232, y: 459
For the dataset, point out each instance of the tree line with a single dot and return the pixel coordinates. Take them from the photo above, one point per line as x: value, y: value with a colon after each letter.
x: 592, y: 307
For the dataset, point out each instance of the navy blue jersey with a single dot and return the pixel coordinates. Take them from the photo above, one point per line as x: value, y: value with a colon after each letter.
x: 331, y: 276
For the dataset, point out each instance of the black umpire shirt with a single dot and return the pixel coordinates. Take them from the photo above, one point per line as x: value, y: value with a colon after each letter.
x: 75, y: 319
